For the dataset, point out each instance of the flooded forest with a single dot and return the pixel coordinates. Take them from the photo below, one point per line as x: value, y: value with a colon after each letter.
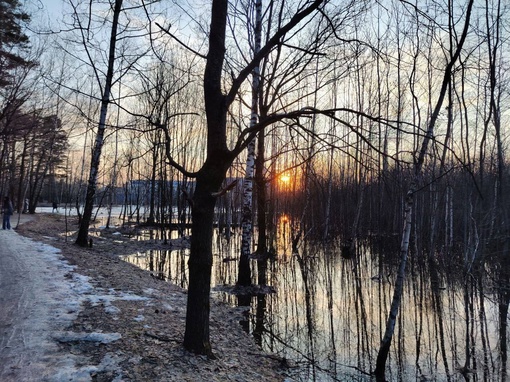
x: 337, y: 169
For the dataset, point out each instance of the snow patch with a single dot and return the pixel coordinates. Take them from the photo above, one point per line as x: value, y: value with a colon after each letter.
x: 111, y: 309
x: 103, y: 338
x: 109, y: 364
x: 52, y: 297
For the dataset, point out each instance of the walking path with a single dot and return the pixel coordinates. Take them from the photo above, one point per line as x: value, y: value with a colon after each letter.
x: 40, y: 296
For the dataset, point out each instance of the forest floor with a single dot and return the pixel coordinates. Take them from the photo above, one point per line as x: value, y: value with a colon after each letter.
x: 150, y: 328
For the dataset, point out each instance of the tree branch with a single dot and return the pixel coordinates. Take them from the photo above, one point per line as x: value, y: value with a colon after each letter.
x: 180, y: 42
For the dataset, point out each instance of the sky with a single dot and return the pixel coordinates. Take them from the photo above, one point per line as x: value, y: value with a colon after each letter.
x: 44, y: 12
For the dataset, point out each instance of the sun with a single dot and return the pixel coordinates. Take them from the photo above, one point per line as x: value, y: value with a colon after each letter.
x: 285, y: 179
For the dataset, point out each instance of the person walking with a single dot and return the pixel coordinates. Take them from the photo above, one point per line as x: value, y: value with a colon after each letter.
x: 7, y: 211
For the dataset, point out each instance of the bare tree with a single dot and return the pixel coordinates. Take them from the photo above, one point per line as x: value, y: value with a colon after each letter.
x: 83, y: 232
x: 244, y: 274
x: 420, y: 159
x: 210, y: 177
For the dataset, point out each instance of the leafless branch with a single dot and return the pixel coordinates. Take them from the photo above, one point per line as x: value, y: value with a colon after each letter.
x: 224, y: 190
x: 180, y: 42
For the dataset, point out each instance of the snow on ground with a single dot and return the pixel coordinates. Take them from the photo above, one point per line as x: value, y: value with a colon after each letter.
x: 40, y: 296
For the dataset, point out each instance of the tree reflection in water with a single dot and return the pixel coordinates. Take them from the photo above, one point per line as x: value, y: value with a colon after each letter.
x: 328, y: 314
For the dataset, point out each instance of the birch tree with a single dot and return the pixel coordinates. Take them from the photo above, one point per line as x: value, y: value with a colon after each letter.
x: 384, y: 348
x: 83, y: 232
x: 244, y: 276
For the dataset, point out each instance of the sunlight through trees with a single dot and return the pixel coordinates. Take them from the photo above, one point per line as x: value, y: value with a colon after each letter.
x: 274, y: 133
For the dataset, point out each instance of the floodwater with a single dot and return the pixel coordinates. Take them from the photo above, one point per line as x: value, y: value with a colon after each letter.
x: 328, y: 314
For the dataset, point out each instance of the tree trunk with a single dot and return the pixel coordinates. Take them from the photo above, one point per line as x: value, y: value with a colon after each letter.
x: 384, y: 349
x: 261, y: 183
x: 244, y: 271
x: 213, y: 172
x: 196, y: 337
x: 152, y: 192
x: 208, y: 181
x: 83, y: 232
x: 244, y: 275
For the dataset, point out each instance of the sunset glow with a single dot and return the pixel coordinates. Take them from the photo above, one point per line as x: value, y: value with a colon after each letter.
x: 285, y: 178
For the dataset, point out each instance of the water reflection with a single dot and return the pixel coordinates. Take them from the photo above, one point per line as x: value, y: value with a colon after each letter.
x: 329, y: 313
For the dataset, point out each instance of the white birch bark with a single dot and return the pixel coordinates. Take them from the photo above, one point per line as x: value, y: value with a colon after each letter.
x: 244, y: 276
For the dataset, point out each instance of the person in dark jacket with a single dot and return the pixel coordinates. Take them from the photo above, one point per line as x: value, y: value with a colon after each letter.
x: 7, y: 211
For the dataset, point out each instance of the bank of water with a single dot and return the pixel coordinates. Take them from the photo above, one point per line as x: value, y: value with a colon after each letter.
x: 328, y: 314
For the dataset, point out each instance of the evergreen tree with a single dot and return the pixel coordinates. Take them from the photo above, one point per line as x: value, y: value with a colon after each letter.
x: 12, y: 38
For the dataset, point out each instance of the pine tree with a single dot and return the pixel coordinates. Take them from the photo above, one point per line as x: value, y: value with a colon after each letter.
x: 12, y: 39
